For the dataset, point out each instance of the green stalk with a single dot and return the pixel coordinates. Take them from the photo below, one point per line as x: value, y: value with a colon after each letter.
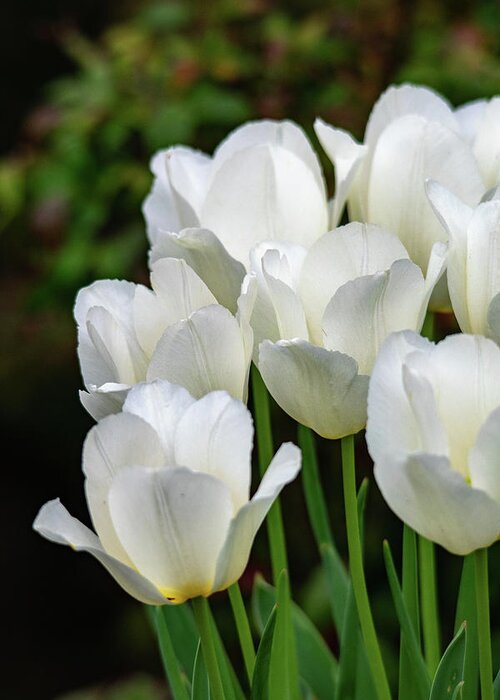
x: 265, y: 447
x: 483, y: 623
x: 429, y: 604
x: 170, y: 663
x: 357, y: 572
x: 243, y: 627
x: 202, y: 617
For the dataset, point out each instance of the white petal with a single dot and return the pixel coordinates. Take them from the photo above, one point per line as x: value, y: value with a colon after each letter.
x: 484, y: 457
x: 116, y: 442
x: 410, y: 150
x: 469, y: 117
x: 432, y: 436
x: 161, y: 405
x: 351, y: 251
x: 398, y: 101
x: 223, y: 446
x: 454, y: 215
x: 487, y: 143
x: 116, y: 297
x: 483, y: 263
x: 435, y: 500
x: 160, y: 208
x: 264, y: 193
x: 346, y: 155
x: 117, y: 346
x: 234, y: 555
x: 206, y: 255
x: 392, y: 426
x: 460, y: 369
x: 189, y: 174
x: 285, y: 134
x: 104, y: 400
x: 57, y: 525
x: 204, y: 353
x: 318, y: 388
x: 178, y: 292
x: 363, y: 312
x: 173, y: 524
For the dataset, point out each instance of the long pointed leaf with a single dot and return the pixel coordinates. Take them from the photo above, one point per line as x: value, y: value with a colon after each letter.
x: 317, y: 665
x: 200, y: 686
x: 450, y: 671
x: 407, y: 689
x: 283, y: 673
x: 260, y: 680
x: 420, y: 674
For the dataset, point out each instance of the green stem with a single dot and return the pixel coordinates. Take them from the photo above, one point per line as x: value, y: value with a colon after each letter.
x: 483, y: 623
x: 409, y: 587
x: 170, y: 663
x: 202, y: 617
x: 243, y: 627
x: 429, y: 604
x: 315, y: 500
x: 357, y: 572
x: 265, y: 447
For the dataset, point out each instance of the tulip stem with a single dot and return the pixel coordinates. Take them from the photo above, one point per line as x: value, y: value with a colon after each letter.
x: 429, y: 604
x: 243, y: 627
x: 265, y: 449
x: 483, y: 623
x: 170, y: 663
x: 202, y: 616
x: 357, y: 572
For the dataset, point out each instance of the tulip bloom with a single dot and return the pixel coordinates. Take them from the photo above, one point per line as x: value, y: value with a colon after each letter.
x: 433, y: 432
x: 167, y: 485
x: 264, y: 182
x: 176, y: 331
x: 473, y: 259
x: 413, y: 134
x: 322, y: 315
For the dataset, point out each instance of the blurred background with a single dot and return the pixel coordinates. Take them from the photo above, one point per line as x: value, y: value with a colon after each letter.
x: 90, y: 89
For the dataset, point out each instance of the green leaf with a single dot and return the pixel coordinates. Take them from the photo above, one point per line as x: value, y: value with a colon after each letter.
x: 450, y: 672
x: 230, y: 683
x: 420, y: 674
x: 200, y: 686
x: 458, y: 694
x: 182, y: 627
x: 283, y: 672
x: 260, y: 680
x: 466, y: 612
x: 496, y: 687
x: 317, y: 665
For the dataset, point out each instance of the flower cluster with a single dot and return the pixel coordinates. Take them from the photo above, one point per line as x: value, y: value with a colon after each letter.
x: 249, y: 262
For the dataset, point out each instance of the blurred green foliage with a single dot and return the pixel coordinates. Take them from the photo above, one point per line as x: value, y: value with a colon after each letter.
x: 71, y: 192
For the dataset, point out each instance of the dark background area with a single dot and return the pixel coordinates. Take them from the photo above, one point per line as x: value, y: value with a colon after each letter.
x: 89, y: 90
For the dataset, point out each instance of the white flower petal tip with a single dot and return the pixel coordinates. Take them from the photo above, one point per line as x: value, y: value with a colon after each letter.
x: 432, y: 431
x: 55, y: 524
x: 319, y: 388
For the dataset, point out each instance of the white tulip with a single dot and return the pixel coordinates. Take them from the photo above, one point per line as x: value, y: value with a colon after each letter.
x: 412, y: 134
x: 473, y: 260
x: 264, y: 182
x: 433, y: 432
x: 128, y: 333
x: 321, y: 315
x: 167, y: 485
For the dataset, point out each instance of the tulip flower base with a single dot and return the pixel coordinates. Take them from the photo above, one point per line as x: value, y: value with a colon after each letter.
x: 256, y: 290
